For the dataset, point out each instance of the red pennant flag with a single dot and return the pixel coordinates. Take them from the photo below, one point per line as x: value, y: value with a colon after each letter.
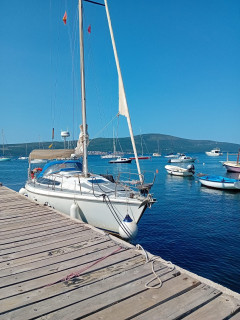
x: 65, y: 18
x: 89, y: 29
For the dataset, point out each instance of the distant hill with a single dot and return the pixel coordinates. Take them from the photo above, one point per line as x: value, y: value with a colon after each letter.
x: 149, y: 142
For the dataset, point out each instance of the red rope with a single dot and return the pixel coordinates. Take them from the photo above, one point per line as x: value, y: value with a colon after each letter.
x: 77, y: 273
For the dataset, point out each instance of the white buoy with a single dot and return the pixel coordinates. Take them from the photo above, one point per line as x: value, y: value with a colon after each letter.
x: 128, y: 228
x: 23, y: 191
x: 75, y: 211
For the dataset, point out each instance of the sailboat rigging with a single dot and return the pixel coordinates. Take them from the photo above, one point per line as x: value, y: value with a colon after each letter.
x: 115, y: 205
x: 3, y: 158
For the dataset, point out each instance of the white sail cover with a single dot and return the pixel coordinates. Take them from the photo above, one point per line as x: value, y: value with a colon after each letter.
x: 51, y: 154
x: 79, y: 147
x: 123, y: 107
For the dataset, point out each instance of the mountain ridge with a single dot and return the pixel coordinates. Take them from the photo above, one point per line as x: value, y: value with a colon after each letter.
x: 148, y: 143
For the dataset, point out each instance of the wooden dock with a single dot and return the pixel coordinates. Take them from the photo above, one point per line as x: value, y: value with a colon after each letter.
x: 54, y: 267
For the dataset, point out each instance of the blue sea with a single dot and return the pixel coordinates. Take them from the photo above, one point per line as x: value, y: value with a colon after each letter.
x: 195, y: 227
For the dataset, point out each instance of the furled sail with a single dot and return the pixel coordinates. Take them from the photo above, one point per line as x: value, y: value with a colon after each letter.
x: 123, y: 107
x: 79, y: 147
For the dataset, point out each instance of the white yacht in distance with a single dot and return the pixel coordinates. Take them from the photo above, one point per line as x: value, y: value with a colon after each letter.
x: 115, y: 205
x: 214, y: 153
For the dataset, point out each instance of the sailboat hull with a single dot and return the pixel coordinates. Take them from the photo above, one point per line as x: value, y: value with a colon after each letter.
x: 101, y: 212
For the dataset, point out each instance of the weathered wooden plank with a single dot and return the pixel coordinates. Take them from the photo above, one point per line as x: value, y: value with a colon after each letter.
x: 8, y: 226
x: 69, y: 253
x: 24, y: 249
x: 17, y: 206
x: 79, y: 293
x: 94, y: 299
x: 74, y: 262
x: 131, y: 307
x: 235, y: 316
x: 220, y: 308
x: 180, y: 305
x: 38, y: 237
x: 56, y: 248
x: 21, y: 213
x: 17, y: 236
x: 48, y: 275
x: 36, y: 231
x: 29, y: 222
x: 120, y: 269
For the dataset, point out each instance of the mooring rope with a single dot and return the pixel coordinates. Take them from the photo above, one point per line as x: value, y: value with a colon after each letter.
x: 152, y: 260
x: 79, y: 272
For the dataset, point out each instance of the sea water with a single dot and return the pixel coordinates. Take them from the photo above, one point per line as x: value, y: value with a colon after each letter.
x: 195, y: 227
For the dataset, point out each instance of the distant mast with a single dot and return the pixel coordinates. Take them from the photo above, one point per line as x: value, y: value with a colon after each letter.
x: 84, y: 120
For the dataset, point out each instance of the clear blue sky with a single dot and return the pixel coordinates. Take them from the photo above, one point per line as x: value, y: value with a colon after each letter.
x: 180, y: 61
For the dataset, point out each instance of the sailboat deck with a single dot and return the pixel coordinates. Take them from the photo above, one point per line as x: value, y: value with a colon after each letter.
x: 54, y: 267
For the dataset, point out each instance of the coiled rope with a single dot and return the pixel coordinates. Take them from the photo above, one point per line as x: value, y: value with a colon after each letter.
x: 152, y: 260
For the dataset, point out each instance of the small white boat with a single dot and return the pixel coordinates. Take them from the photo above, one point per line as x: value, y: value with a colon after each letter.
x: 156, y: 154
x: 23, y: 158
x: 4, y: 159
x: 214, y: 153
x: 179, y: 171
x: 109, y: 156
x: 172, y: 155
x: 121, y: 160
x: 38, y: 161
x: 219, y: 182
x: 181, y: 158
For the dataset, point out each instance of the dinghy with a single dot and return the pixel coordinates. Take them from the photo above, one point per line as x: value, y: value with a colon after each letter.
x: 179, y: 171
x: 219, y: 182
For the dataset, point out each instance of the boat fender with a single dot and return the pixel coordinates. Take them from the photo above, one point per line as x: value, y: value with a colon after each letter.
x: 23, y: 191
x: 128, y: 228
x: 37, y: 169
x: 74, y: 211
x: 237, y: 184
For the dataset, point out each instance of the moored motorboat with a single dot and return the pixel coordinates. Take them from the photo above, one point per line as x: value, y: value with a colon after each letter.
x: 156, y: 154
x: 179, y: 171
x: 214, y: 153
x: 220, y: 182
x: 182, y: 158
x: 121, y: 160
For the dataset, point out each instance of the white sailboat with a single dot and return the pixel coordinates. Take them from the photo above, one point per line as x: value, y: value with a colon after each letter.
x: 69, y: 187
x: 3, y: 158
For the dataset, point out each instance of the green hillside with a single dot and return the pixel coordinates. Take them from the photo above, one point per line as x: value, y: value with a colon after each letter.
x: 150, y: 144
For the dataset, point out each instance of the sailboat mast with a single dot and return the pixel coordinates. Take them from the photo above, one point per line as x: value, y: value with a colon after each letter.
x: 123, y: 95
x: 84, y: 120
x: 2, y: 143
